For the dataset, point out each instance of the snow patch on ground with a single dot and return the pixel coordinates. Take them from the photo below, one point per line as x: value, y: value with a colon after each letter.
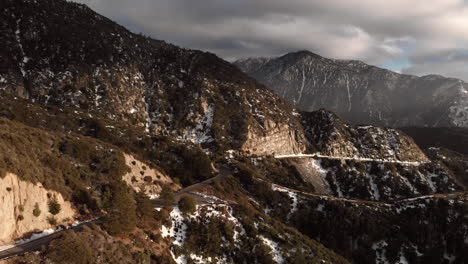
x: 291, y: 195
x: 201, y: 133
x: 36, y: 236
x: 374, y: 188
x: 178, y: 229
x: 431, y: 183
x: 322, y: 172
x: 200, y: 259
x: 275, y: 249
x: 18, y: 40
x: 379, y: 248
x: 213, y: 198
x: 180, y: 259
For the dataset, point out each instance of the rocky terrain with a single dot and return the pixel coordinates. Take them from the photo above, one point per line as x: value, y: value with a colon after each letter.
x: 101, y: 67
x: 361, y: 93
x: 168, y: 155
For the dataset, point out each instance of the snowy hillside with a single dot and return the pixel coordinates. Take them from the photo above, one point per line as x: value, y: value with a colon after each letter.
x: 362, y: 93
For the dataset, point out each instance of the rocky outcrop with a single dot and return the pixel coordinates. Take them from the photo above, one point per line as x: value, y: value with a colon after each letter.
x: 332, y: 136
x: 361, y: 93
x: 20, y: 202
x: 85, y: 60
x: 143, y: 177
x: 274, y: 139
x: 312, y: 173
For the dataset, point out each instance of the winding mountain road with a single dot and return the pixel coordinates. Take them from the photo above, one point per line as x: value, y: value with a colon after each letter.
x: 36, y: 244
x: 358, y: 201
x: 320, y: 156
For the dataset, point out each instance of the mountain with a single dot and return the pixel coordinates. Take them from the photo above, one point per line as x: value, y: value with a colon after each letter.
x: 97, y: 65
x: 361, y: 93
x: 132, y: 150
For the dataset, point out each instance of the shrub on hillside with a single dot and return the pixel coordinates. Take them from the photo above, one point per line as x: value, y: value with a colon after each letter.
x: 70, y: 248
x: 52, y: 221
x: 187, y: 205
x: 54, y: 206
x: 36, y: 210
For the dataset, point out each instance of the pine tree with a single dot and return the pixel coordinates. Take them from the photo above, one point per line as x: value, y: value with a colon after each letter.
x: 122, y: 210
x: 54, y: 206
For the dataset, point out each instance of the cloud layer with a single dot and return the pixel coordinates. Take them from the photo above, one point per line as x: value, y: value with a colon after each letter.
x: 430, y: 36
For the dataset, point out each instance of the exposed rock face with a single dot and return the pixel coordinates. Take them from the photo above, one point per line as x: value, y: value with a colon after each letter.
x: 274, y: 139
x: 332, y: 136
x: 85, y: 60
x: 361, y: 93
x: 142, y: 177
x: 18, y: 199
x: 312, y: 173
x: 366, y: 162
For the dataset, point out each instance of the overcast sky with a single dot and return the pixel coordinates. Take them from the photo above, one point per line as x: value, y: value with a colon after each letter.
x: 411, y: 36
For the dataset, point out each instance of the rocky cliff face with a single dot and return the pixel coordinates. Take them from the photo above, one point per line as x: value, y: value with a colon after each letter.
x: 19, y: 199
x: 94, y: 64
x: 367, y: 162
x: 274, y: 138
x: 361, y: 93
x: 333, y: 136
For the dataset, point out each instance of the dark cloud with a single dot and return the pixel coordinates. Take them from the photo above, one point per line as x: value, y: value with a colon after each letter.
x: 379, y: 32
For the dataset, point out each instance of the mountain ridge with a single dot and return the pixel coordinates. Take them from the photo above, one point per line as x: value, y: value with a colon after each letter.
x: 362, y: 93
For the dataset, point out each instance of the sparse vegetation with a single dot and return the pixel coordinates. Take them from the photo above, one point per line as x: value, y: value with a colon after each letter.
x: 70, y: 248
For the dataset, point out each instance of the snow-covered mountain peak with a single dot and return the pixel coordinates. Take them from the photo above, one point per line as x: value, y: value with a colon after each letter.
x: 362, y: 93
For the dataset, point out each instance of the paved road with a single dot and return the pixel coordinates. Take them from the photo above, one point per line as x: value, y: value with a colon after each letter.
x: 200, y: 199
x: 37, y: 243
x: 349, y: 200
x: 189, y: 191
x: 319, y: 156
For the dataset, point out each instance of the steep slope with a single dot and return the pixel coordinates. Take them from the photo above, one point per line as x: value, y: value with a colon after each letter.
x: 366, y: 162
x: 87, y: 61
x: 431, y: 229
x: 362, y: 93
x: 333, y: 136
x: 78, y: 173
x: 423, y: 229
x: 452, y: 138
